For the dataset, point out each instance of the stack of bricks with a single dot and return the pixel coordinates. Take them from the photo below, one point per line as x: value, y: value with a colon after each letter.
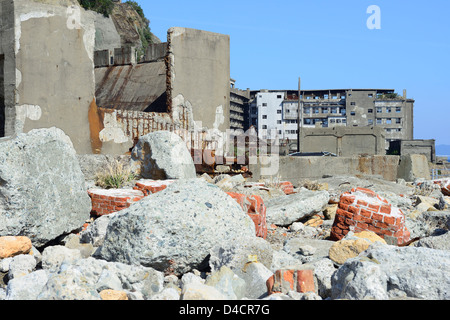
x: 254, y: 206
x: 107, y: 201
x: 361, y: 210
x: 149, y: 187
x: 286, y: 280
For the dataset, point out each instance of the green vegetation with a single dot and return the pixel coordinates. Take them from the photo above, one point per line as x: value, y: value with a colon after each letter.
x: 144, y: 33
x: 388, y: 96
x: 116, y: 176
x: 104, y: 7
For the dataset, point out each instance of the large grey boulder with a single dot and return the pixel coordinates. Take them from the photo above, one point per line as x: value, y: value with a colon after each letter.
x: 287, y: 209
x: 42, y: 188
x: 387, y: 272
x: 163, y: 155
x: 175, y: 229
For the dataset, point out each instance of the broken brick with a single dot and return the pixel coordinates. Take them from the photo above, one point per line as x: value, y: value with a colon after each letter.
x: 362, y: 209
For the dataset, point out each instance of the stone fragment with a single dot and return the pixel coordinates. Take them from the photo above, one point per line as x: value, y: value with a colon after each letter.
x: 113, y: 295
x: 285, y: 210
x: 199, y: 291
x: 285, y: 280
x: 43, y: 188
x: 107, y: 201
x: 13, y: 246
x: 201, y: 217
x: 163, y: 155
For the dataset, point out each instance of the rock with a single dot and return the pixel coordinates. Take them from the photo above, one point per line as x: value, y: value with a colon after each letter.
x: 13, y: 246
x: 27, y: 287
x: 439, y: 242
x: 388, y: 272
x: 236, y: 254
x: 429, y: 223
x: 255, y: 276
x: 303, y: 296
x: 285, y: 210
x: 293, y: 247
x: 68, y: 284
x: 201, y: 217
x: 95, y: 233
x: 53, y: 257
x: 167, y: 294
x: 43, y: 188
x: 352, y: 245
x: 282, y: 259
x: 113, y: 295
x: 73, y: 242
x: 228, y: 283
x: 413, y: 166
x: 20, y: 266
x: 198, y: 291
x: 190, y: 277
x: 163, y: 155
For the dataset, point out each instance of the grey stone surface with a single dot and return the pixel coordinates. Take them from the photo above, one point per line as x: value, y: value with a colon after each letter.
x: 175, y: 228
x: 21, y: 265
x: 95, y: 233
x: 42, y: 190
x: 236, y: 254
x: 288, y: 209
x: 53, y: 257
x: 228, y: 283
x: 27, y: 287
x: 255, y: 275
x: 295, y: 246
x: 388, y: 272
x: 163, y: 155
x: 440, y: 242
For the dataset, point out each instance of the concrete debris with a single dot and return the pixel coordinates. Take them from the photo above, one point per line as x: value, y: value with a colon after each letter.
x: 221, y: 238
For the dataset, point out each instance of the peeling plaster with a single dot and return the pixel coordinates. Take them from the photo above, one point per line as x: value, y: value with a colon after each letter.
x: 24, y: 112
x: 113, y: 130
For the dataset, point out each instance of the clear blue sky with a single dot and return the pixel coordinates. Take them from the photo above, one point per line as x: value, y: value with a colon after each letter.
x: 327, y: 44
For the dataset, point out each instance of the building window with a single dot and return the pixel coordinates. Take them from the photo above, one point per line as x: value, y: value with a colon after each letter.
x: 370, y: 110
x: 388, y: 121
x: 279, y: 131
x: 388, y: 109
x: 343, y: 111
x: 398, y: 120
x: 279, y: 96
x: 278, y: 121
x: 307, y: 110
x: 324, y: 110
x: 264, y: 116
x: 353, y: 113
x: 332, y: 120
x: 370, y: 95
x: 278, y: 111
x: 353, y: 103
x: 370, y: 122
x: 307, y: 121
x: 334, y: 110
x: 316, y: 110
x: 398, y: 109
x: 264, y: 127
x: 379, y: 110
x: 379, y: 121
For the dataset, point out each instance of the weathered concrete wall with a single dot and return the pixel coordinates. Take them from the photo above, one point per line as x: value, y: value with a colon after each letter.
x: 199, y: 72
x: 54, y: 46
x: 7, y: 46
x: 344, y: 141
x: 414, y: 166
x: 296, y: 168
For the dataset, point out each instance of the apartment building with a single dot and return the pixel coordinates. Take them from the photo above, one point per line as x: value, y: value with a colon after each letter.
x: 275, y: 112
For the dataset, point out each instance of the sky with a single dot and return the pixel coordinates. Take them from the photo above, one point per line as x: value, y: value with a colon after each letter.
x: 329, y: 44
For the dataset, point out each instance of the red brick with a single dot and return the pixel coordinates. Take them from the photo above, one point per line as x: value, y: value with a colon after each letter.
x: 377, y: 217
x: 389, y: 220
x: 385, y: 209
x: 366, y: 213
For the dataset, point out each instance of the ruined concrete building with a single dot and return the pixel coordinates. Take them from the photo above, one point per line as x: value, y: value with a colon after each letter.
x: 357, y: 114
x: 66, y: 67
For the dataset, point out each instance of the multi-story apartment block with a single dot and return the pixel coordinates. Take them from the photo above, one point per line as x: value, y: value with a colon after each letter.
x: 239, y: 112
x: 276, y: 111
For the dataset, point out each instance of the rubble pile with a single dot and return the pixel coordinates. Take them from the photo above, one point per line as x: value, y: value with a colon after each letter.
x: 176, y: 237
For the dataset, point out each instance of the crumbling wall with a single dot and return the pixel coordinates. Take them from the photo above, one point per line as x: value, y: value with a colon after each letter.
x: 54, y: 68
x: 198, y: 70
x: 344, y: 141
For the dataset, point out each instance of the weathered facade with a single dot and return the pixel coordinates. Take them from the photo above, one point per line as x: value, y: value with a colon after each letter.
x: 276, y: 112
x: 66, y: 67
